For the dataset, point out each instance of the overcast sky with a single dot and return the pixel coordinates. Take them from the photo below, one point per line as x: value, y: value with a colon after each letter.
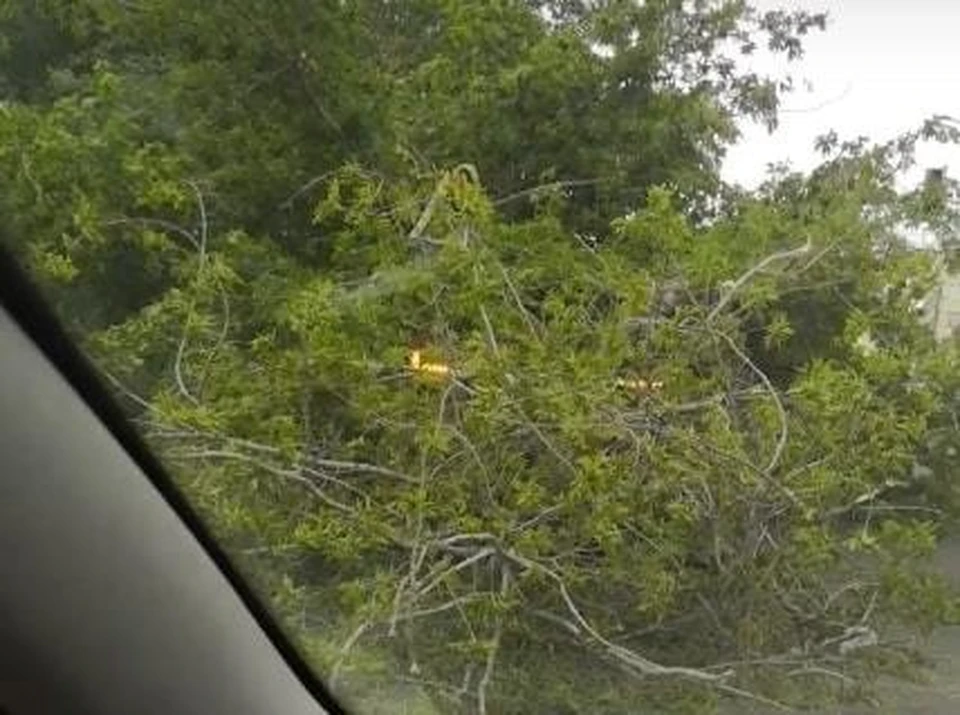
x: 881, y: 68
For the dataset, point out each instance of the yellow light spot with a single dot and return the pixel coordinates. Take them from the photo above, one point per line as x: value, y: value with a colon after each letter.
x: 417, y: 364
x: 415, y: 360
x: 639, y: 385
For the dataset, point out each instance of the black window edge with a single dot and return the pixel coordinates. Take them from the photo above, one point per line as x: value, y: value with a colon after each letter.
x: 24, y: 302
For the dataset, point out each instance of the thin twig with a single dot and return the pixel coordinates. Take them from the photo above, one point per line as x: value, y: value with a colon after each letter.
x: 288, y: 202
x: 417, y: 554
x: 784, y: 432
x: 416, y: 233
x: 494, y: 647
x: 572, y: 183
x: 442, y: 409
x: 202, y: 207
x: 554, y: 618
x: 178, y: 361
x: 224, y: 328
x: 524, y: 313
x: 818, y: 670
x: 865, y: 499
x: 157, y: 223
x: 491, y: 337
x: 38, y: 190
x: 817, y: 257
x: 336, y: 465
x: 202, y: 260
x: 267, y: 467
x: 899, y: 507
x: 126, y: 391
x: 868, y: 611
x: 345, y: 650
x: 625, y: 655
x: 455, y: 603
x: 303, y: 65
x: 310, y: 472
x: 457, y: 538
x: 482, y: 554
x: 347, y: 466
x: 537, y: 518
x: 474, y: 452
x: 546, y: 442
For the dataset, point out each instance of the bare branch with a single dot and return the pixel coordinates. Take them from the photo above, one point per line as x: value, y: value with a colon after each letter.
x: 28, y: 174
x: 569, y: 184
x: 491, y: 337
x: 289, y: 474
x: 202, y: 208
x: 437, y: 580
x: 537, y: 518
x: 817, y: 257
x: 416, y: 233
x: 448, y: 605
x: 126, y: 391
x: 333, y: 465
x: 784, y: 432
x: 475, y: 453
x: 417, y: 554
x: 178, y: 363
x: 524, y: 313
x: 865, y: 499
x: 546, y: 442
x: 157, y: 223
x: 494, y: 646
x: 457, y: 538
x: 868, y: 611
x: 225, y: 328
x: 288, y: 202
x: 900, y: 507
x: 347, y: 466
x: 305, y: 65
x: 625, y: 655
x: 553, y: 618
x: 345, y: 650
x: 743, y: 279
x: 332, y: 480
x: 818, y: 670
x: 202, y: 258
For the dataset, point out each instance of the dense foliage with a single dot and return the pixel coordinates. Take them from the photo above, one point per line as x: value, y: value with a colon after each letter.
x: 446, y: 322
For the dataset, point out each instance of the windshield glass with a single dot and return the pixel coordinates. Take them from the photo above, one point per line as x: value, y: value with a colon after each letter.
x: 533, y: 356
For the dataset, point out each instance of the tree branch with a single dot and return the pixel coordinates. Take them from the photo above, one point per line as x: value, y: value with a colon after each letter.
x: 446, y: 606
x: 178, y: 362
x: 291, y: 475
x: 524, y: 313
x: 494, y: 646
x: 202, y: 208
x: 625, y: 655
x: 784, y: 432
x: 571, y: 183
x: 158, y: 223
x: 305, y: 187
x: 437, y: 580
x: 348, y: 466
x: 743, y: 279
x: 202, y: 261
x: 345, y: 650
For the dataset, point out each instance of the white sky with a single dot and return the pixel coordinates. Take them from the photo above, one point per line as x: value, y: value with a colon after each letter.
x: 881, y: 68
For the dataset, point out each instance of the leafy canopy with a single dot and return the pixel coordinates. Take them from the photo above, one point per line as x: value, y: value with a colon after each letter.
x: 445, y: 321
